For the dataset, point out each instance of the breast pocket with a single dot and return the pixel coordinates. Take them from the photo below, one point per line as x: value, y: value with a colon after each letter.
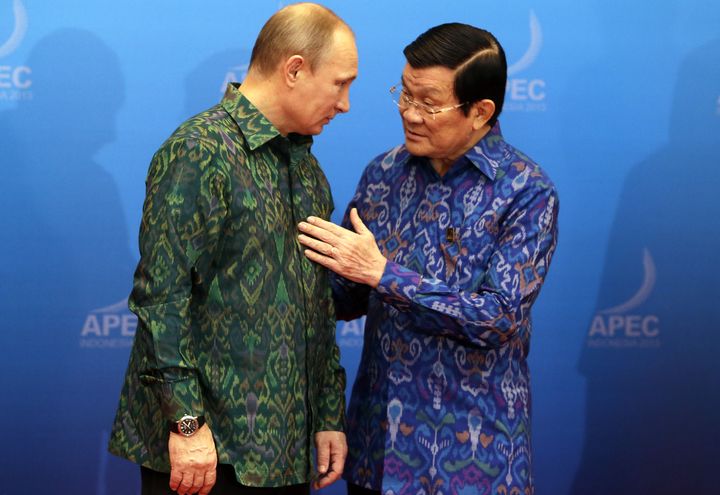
x: 466, y: 255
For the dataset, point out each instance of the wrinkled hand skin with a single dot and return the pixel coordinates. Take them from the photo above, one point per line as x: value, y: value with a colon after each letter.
x: 331, y: 452
x: 193, y: 462
x: 354, y: 255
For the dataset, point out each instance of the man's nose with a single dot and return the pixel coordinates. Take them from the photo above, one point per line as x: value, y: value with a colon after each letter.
x: 343, y: 105
x: 412, y: 114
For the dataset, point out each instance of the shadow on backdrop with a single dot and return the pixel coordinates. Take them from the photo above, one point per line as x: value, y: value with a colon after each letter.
x: 205, y: 85
x: 651, y: 359
x: 65, y: 254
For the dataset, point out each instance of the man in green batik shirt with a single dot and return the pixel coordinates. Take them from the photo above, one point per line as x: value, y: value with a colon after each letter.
x: 234, y: 374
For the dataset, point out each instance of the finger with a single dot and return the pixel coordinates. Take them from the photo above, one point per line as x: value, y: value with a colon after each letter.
x: 210, y: 478
x: 176, y: 477
x: 328, y: 226
x: 357, y: 223
x: 186, y: 484
x: 328, y: 479
x: 323, y: 456
x: 326, y: 261
x: 198, y: 483
x: 317, y: 246
x: 337, y: 460
x: 317, y: 233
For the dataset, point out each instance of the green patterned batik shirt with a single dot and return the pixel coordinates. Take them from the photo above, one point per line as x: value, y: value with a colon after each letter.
x: 234, y: 323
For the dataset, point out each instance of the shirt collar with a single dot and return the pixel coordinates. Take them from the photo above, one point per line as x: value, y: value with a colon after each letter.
x: 487, y: 154
x: 256, y: 129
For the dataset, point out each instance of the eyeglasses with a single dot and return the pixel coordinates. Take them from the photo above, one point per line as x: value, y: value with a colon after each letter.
x: 404, y: 100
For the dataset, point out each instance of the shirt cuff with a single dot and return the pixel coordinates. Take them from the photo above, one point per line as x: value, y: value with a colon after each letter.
x: 398, y: 285
x: 177, y: 396
x: 331, y: 413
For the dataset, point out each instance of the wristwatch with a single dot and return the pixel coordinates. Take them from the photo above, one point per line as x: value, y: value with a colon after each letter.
x: 187, y: 425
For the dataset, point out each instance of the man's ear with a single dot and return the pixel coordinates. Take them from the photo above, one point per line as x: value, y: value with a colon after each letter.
x: 293, y: 68
x: 482, y: 111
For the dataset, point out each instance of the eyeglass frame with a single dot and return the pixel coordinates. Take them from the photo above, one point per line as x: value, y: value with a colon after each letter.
x: 408, y: 100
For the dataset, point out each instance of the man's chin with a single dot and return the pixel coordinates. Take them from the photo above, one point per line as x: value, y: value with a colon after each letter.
x: 413, y: 147
x: 312, y: 131
x: 317, y: 129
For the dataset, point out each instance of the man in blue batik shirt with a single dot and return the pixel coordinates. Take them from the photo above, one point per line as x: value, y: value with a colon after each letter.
x: 444, y: 246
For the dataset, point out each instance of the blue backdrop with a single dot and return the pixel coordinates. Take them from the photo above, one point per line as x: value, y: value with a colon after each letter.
x: 618, y: 100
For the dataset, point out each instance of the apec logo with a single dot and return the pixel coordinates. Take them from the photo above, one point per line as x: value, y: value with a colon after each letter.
x: 527, y: 94
x: 234, y: 74
x: 109, y: 327
x: 620, y: 327
x: 350, y: 333
x: 15, y: 80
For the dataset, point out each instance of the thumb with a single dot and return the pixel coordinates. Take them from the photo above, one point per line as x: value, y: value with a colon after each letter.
x: 323, y: 456
x: 357, y: 224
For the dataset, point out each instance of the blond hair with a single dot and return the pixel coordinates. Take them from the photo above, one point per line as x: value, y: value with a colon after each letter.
x: 304, y: 29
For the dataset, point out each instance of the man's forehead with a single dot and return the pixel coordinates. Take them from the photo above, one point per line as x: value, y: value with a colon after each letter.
x: 343, y: 51
x: 344, y: 41
x: 436, y: 79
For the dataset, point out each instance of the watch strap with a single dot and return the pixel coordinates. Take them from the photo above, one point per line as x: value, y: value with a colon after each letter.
x: 174, y: 426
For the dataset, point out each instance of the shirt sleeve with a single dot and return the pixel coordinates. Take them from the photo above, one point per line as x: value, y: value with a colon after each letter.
x: 351, y: 298
x: 491, y: 314
x: 184, y: 210
x: 331, y: 399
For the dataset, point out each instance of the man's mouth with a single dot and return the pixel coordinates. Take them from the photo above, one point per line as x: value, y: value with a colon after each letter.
x: 412, y: 135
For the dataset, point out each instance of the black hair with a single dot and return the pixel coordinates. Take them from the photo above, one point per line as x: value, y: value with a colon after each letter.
x: 475, y: 54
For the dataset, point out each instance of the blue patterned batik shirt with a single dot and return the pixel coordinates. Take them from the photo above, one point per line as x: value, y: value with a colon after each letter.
x: 441, y: 402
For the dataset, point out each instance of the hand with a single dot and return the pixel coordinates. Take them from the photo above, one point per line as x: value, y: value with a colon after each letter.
x: 331, y: 449
x: 354, y: 255
x: 193, y: 462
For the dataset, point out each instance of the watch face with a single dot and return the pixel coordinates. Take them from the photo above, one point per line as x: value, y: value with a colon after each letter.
x: 188, y: 425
